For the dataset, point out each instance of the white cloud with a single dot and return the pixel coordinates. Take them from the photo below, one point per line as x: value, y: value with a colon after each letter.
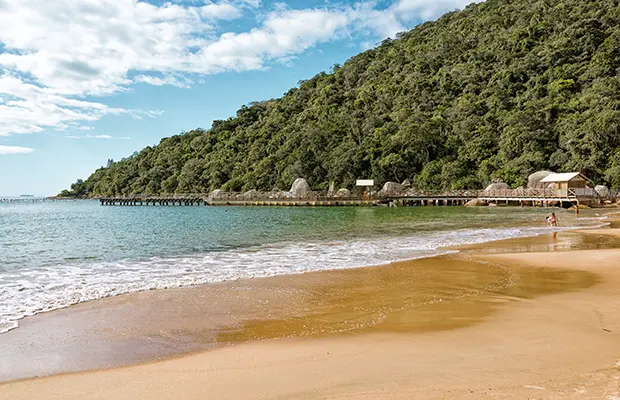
x: 282, y: 34
x: 59, y: 53
x: 97, y: 137
x: 5, y: 150
x: 33, y: 108
x: 166, y: 80
x: 427, y: 9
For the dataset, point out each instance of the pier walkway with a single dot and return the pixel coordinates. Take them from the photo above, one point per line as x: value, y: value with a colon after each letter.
x: 25, y: 199
x: 193, y: 200
x: 534, y: 197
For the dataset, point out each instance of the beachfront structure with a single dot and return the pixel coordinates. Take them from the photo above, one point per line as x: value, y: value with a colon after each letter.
x: 568, y: 188
x: 565, y: 190
x: 568, y: 184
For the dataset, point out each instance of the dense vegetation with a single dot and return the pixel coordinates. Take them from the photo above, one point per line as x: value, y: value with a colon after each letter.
x: 498, y: 90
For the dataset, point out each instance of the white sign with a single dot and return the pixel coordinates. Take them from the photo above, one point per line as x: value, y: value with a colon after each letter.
x: 365, y: 182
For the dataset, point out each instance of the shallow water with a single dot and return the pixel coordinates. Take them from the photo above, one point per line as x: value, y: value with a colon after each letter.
x: 55, y: 254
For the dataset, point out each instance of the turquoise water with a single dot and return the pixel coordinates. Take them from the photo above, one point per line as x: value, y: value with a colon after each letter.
x: 54, y: 254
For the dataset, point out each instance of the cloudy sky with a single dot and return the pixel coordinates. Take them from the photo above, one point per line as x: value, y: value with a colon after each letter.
x: 82, y: 81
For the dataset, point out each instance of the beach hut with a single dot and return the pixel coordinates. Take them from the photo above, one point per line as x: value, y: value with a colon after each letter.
x: 569, y: 184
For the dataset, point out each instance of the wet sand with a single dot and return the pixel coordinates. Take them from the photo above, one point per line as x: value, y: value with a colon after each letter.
x: 473, y: 325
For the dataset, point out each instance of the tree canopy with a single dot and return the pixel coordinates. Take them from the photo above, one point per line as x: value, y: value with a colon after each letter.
x: 499, y: 90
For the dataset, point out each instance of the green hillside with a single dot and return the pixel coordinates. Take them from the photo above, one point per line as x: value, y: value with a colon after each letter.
x: 498, y: 90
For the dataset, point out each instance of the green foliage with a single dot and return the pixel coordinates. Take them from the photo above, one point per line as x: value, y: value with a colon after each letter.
x: 500, y: 89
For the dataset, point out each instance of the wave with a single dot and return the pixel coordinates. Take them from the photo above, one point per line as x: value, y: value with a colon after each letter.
x: 31, y: 291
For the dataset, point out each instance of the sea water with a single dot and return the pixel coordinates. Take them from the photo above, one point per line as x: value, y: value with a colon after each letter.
x: 55, y: 254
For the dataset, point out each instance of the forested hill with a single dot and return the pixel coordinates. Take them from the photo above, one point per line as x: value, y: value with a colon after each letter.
x: 498, y: 90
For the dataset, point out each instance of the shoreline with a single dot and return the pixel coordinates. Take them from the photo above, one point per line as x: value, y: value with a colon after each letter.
x: 118, y: 290
x: 569, y: 238
x: 175, y: 353
x: 522, y: 350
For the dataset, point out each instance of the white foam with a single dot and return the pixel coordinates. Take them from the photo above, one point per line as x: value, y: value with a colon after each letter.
x: 30, y: 291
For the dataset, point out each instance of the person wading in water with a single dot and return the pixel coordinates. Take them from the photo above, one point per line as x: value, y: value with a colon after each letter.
x: 552, y: 220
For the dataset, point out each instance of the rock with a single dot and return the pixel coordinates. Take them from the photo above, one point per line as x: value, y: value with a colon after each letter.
x: 498, y: 186
x: 476, y: 203
x: 391, y: 188
x: 216, y: 194
x: 250, y: 194
x: 492, y: 204
x: 280, y: 195
x: 602, y: 191
x: 533, y: 181
x: 343, y: 192
x: 300, y: 188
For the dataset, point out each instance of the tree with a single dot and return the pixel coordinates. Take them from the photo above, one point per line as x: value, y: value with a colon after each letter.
x: 498, y: 90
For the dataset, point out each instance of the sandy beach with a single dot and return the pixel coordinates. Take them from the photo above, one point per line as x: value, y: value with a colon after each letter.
x: 509, y: 325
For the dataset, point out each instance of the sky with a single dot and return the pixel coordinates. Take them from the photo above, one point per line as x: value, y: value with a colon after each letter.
x: 84, y: 81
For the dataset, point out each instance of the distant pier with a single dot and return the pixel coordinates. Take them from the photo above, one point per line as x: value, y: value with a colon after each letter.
x: 26, y: 199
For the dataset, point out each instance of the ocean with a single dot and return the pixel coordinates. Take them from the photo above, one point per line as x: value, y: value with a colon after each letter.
x: 58, y: 253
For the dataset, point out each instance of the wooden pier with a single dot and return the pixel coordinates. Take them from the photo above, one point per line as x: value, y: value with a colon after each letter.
x: 153, y: 201
x: 434, y: 198
x: 410, y: 198
x: 314, y: 199
x: 537, y: 197
x: 25, y: 199
x: 264, y: 202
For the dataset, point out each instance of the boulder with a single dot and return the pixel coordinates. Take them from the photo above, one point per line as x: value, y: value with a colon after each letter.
x: 280, y: 195
x: 533, y: 181
x: 498, y: 186
x: 250, y: 194
x: 300, y: 188
x: 391, y: 188
x: 412, y: 192
x: 475, y: 203
x: 602, y: 191
x: 216, y: 194
x: 343, y: 192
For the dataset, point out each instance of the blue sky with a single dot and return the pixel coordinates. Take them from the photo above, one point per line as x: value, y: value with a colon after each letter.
x: 84, y: 81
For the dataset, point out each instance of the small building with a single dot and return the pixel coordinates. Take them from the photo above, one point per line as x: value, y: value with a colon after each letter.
x: 569, y: 184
